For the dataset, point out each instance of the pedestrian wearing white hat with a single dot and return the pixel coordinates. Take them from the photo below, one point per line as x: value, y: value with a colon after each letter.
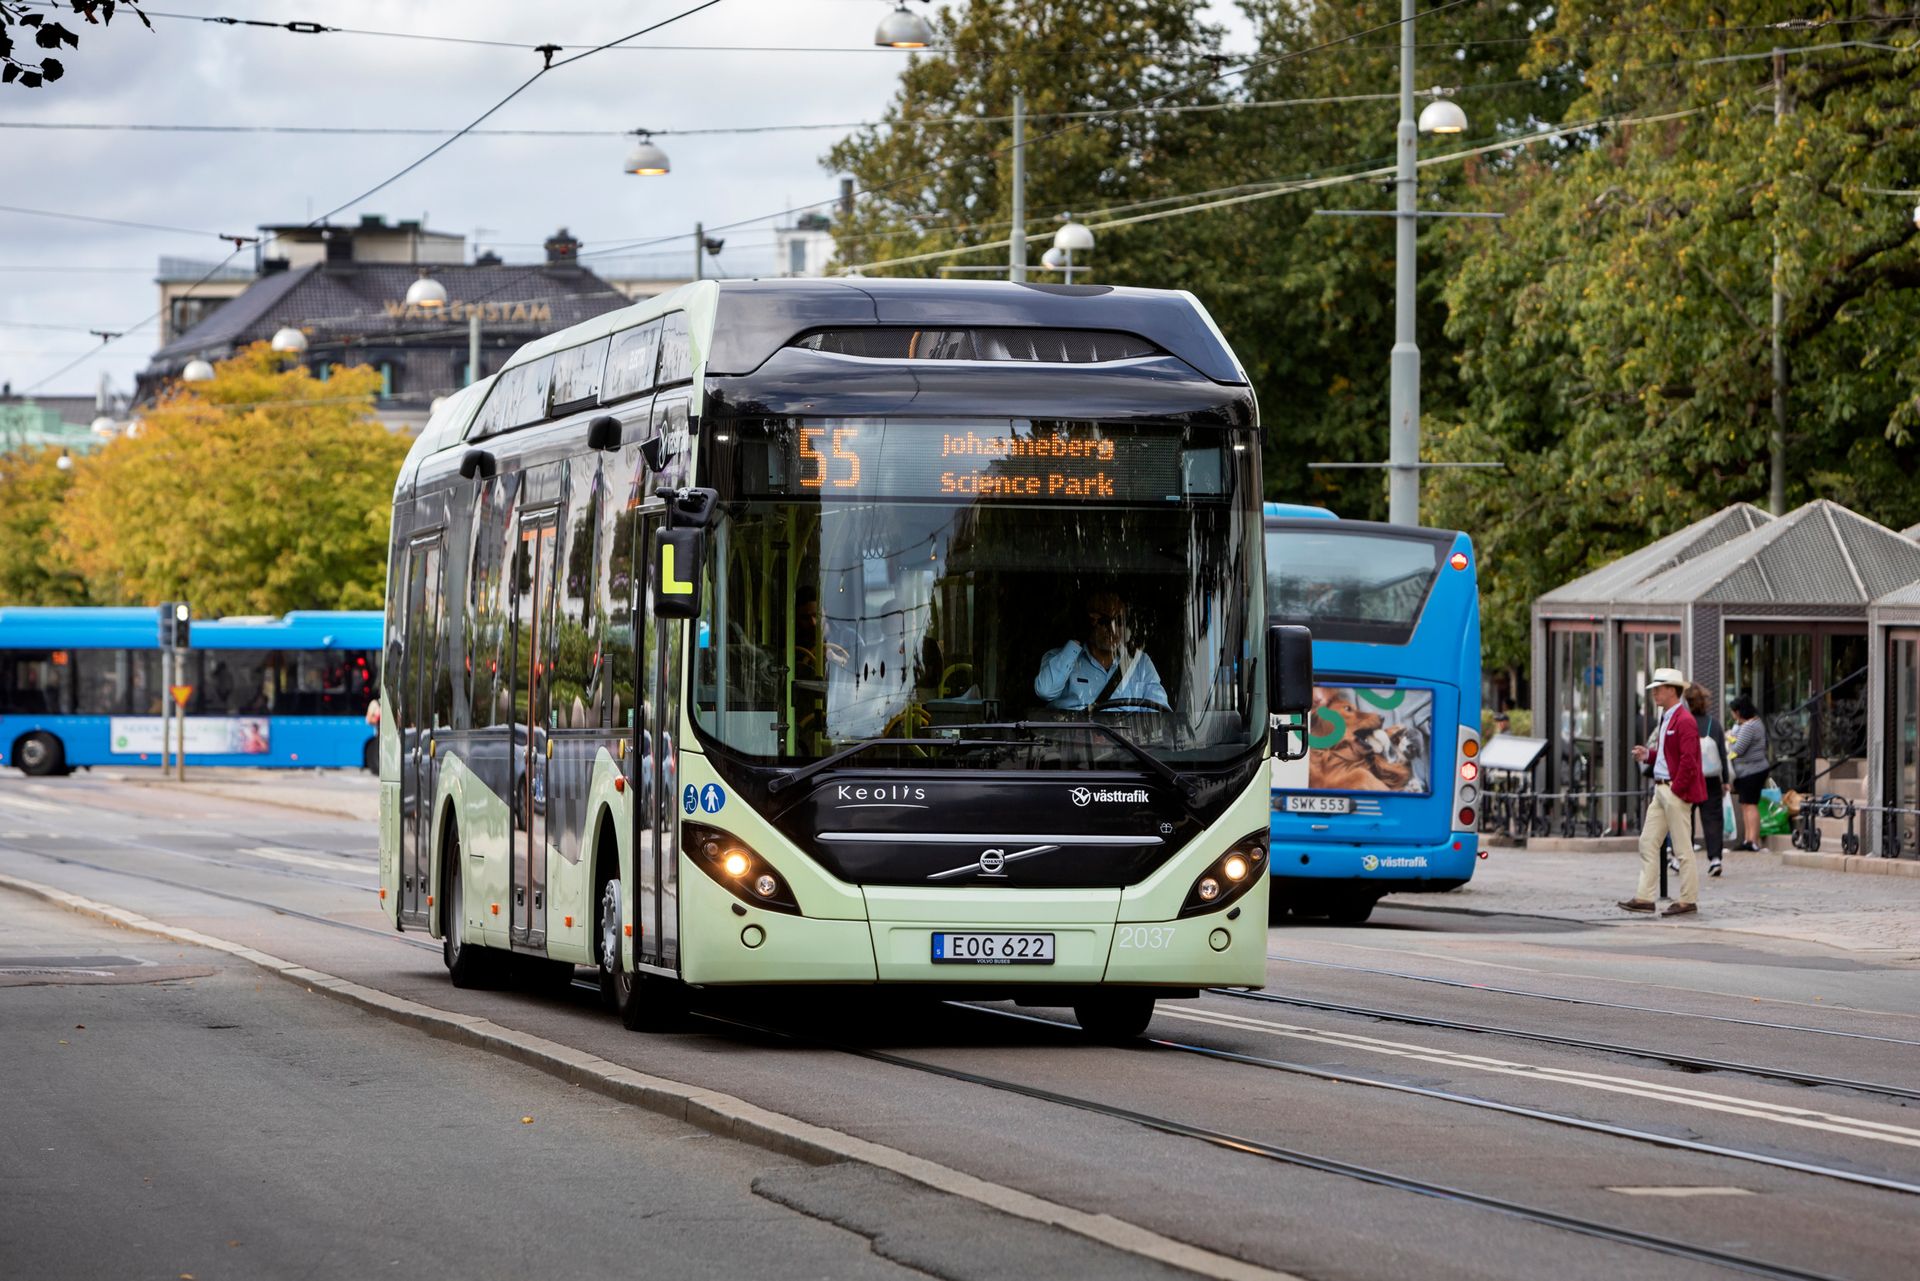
x: 1678, y: 786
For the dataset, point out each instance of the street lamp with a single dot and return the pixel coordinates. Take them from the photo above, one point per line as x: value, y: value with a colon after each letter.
x: 1073, y: 237
x: 1403, y: 394
x: 197, y: 371
x: 64, y: 462
x: 646, y: 159
x: 291, y: 342
x: 426, y: 293
x: 1442, y: 116
x: 903, y: 29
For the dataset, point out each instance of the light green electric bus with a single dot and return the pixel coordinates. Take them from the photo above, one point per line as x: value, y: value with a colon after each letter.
x: 842, y: 632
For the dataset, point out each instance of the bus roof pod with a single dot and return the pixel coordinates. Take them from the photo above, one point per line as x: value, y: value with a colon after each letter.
x: 759, y: 317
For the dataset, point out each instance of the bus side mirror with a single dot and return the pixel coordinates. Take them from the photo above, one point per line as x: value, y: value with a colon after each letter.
x: 603, y: 433
x: 679, y: 559
x: 1289, y: 688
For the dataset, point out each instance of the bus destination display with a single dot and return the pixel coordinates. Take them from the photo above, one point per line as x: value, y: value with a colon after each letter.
x: 990, y: 462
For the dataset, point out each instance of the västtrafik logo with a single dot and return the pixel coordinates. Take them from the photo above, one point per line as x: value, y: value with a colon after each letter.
x: 1084, y: 796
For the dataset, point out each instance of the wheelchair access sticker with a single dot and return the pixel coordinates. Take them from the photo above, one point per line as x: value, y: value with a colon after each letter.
x: 690, y: 799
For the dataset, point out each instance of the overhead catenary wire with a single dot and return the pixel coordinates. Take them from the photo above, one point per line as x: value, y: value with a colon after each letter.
x: 549, y: 65
x: 736, y: 130
x: 1312, y: 184
x: 1288, y: 56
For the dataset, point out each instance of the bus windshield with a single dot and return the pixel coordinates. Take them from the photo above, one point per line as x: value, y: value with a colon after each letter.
x: 1366, y: 584
x: 935, y: 579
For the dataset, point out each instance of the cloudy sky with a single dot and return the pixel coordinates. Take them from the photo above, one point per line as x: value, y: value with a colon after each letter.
x: 60, y: 278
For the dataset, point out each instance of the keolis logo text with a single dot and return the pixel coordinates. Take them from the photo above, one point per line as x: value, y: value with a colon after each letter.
x: 889, y: 792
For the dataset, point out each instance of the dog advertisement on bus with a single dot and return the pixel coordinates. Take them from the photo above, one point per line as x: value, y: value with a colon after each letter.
x: 1366, y: 738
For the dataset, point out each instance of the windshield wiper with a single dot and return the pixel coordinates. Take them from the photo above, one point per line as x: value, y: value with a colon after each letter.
x: 801, y: 774
x: 1170, y: 775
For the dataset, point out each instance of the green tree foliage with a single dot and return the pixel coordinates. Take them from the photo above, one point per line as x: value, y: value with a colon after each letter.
x: 1614, y: 332
x: 260, y: 491
x: 1306, y: 301
x: 33, y: 566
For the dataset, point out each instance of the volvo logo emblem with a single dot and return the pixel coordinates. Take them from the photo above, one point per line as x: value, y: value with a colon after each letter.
x: 991, y: 862
x: 1081, y: 796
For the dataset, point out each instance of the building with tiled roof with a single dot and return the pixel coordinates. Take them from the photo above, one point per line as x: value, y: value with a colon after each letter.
x: 350, y: 304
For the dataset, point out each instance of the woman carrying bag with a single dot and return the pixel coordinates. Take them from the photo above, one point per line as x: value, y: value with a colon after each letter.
x: 1711, y: 812
x: 1748, y: 750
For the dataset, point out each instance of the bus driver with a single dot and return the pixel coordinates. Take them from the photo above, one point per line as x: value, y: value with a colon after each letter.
x: 1104, y: 669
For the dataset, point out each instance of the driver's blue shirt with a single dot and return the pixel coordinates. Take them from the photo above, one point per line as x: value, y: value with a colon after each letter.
x: 1071, y: 679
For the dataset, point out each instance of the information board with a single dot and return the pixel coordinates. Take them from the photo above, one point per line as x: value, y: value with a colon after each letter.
x: 1004, y: 461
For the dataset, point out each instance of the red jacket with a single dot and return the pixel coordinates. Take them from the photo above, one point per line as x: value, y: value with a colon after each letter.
x: 1683, y: 757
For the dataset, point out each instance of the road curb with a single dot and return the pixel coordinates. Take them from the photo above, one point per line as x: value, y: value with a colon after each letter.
x: 710, y: 1110
x: 1851, y: 863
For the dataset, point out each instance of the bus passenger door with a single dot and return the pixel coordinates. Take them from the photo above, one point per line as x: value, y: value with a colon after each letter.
x: 415, y: 682
x: 532, y: 616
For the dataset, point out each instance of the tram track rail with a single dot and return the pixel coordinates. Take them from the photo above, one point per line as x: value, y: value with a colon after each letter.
x: 1561, y: 998
x: 1691, y: 1062
x: 1226, y: 1140
x: 1245, y: 1145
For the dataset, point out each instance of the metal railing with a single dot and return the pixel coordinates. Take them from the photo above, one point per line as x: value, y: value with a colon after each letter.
x: 1521, y: 812
x: 1899, y: 827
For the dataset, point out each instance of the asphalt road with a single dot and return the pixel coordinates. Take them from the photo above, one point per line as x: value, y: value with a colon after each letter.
x: 1800, y: 1177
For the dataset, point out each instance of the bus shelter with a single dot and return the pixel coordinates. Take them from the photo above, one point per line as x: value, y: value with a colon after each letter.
x: 1775, y: 609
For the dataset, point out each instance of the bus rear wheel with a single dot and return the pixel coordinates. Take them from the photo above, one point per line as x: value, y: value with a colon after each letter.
x: 1350, y: 909
x: 1114, y: 1018
x: 468, y: 964
x: 40, y: 755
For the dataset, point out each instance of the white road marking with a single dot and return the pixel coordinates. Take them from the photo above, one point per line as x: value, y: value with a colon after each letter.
x: 1805, y: 1118
x: 307, y: 860
x: 25, y: 804
x: 1681, y: 1191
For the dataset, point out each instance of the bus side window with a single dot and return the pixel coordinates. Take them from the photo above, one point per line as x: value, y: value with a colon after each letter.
x: 575, y: 635
x: 614, y: 593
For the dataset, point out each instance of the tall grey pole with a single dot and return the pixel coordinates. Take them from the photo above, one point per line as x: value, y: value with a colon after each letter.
x: 473, y: 345
x: 1777, y: 471
x: 1017, y: 246
x: 699, y: 239
x: 1403, y: 397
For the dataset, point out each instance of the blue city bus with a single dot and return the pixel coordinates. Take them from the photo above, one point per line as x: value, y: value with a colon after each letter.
x: 83, y: 687
x: 1387, y: 798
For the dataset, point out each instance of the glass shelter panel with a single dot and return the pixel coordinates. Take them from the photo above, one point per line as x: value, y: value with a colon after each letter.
x: 1900, y: 836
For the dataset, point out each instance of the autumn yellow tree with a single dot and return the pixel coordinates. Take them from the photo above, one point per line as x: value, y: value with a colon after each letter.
x: 34, y: 569
x: 260, y: 491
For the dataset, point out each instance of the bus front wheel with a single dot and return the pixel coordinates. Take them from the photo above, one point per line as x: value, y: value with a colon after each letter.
x: 40, y: 755
x: 1114, y: 1018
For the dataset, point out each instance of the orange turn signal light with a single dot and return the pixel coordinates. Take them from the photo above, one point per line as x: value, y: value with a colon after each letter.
x: 1470, y: 748
x: 495, y: 907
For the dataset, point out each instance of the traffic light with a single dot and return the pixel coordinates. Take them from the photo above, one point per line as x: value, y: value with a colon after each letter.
x: 176, y: 616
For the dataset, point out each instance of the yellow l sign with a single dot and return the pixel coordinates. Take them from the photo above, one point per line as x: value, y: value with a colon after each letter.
x: 670, y: 583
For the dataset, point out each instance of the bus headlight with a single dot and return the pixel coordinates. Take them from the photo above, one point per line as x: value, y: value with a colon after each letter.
x: 1229, y: 876
x: 737, y: 866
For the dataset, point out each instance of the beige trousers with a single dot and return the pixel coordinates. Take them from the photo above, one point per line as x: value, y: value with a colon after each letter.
x: 1667, y: 813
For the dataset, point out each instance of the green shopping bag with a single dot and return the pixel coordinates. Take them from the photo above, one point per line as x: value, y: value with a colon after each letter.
x: 1774, y: 820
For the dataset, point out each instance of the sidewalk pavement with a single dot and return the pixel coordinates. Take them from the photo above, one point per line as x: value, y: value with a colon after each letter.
x: 344, y: 793
x: 1758, y: 894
